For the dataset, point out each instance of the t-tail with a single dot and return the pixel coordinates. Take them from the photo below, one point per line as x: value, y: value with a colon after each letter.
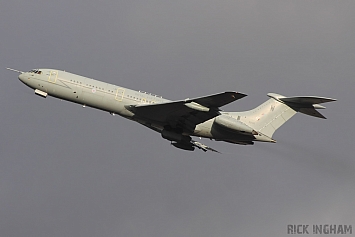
x: 272, y: 114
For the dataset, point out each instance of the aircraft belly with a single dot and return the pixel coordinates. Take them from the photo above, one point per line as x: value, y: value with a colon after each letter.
x: 220, y: 133
x: 110, y: 104
x: 92, y: 99
x: 63, y: 91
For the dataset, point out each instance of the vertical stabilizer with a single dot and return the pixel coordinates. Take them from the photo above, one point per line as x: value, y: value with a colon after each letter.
x: 272, y: 114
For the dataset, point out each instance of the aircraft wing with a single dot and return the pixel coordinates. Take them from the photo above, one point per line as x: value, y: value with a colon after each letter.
x: 218, y: 100
x: 184, y: 115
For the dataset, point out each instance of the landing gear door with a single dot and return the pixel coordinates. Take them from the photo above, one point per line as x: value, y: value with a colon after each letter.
x: 53, y: 75
x: 119, y: 94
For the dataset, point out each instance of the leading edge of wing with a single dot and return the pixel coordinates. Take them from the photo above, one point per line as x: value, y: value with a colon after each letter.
x: 217, y: 100
x: 210, y: 101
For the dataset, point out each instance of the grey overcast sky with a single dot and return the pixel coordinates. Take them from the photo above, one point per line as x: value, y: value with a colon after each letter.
x: 72, y: 171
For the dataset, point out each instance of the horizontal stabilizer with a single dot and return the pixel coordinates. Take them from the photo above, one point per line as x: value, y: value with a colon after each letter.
x: 311, y: 112
x: 304, y: 104
x: 307, y: 100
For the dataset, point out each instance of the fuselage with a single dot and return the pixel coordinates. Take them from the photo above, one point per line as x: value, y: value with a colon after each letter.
x: 176, y: 120
x: 100, y: 95
x: 228, y: 126
x: 87, y: 91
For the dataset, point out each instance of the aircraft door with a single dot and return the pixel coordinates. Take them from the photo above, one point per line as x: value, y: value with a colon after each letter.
x: 53, y: 75
x: 119, y: 94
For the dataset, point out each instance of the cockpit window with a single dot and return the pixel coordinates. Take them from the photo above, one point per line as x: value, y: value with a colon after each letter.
x: 36, y: 71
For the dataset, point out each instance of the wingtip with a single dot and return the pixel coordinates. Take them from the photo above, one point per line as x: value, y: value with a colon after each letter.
x: 242, y: 94
x: 236, y: 94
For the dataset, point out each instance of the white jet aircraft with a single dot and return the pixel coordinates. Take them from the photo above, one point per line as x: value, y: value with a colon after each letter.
x: 176, y: 121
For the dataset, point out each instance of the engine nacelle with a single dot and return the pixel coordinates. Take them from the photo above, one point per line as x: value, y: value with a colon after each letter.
x: 234, y: 125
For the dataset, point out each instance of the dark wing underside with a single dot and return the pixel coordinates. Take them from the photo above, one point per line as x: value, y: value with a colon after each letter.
x: 307, y: 104
x: 181, y: 117
x: 307, y: 99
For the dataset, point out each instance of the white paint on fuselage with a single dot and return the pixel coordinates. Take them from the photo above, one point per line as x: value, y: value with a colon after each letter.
x: 99, y: 95
x: 113, y: 99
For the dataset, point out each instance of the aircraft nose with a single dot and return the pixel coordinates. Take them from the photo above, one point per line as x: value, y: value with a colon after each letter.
x: 21, y: 77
